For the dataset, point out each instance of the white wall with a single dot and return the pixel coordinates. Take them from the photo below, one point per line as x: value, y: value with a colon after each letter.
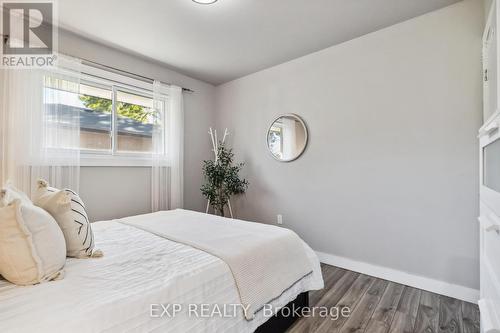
x: 129, y: 188
x: 390, y: 176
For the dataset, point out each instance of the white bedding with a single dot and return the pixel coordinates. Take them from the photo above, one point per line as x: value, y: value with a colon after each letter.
x: 249, y: 249
x: 115, y: 293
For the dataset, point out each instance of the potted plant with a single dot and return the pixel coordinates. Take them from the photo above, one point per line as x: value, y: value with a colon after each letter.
x: 222, y: 179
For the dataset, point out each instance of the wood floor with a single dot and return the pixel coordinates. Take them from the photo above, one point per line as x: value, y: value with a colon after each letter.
x: 380, y: 306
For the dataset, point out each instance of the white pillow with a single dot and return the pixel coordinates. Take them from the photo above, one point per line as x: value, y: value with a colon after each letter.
x: 9, y: 193
x: 69, y: 211
x: 32, y: 246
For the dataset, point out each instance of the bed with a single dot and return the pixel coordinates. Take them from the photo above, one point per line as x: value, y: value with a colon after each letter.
x: 123, y: 291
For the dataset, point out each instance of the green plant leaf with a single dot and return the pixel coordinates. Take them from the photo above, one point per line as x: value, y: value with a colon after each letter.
x: 222, y: 179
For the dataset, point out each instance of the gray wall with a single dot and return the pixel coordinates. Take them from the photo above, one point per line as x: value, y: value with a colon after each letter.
x: 115, y: 192
x: 129, y: 188
x: 390, y: 176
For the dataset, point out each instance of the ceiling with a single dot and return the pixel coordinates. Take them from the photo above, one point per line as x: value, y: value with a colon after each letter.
x: 232, y: 38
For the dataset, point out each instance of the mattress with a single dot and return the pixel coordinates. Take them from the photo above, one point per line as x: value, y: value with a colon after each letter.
x: 138, y: 273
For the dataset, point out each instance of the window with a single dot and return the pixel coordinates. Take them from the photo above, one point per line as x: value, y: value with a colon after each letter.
x: 135, y: 120
x: 117, y: 120
x: 94, y: 104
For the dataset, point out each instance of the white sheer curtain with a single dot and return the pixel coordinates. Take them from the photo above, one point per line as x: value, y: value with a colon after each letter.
x: 39, y: 132
x: 167, y: 180
x: 175, y: 147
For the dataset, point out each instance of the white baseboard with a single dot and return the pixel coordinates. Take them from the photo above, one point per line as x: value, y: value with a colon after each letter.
x: 412, y: 280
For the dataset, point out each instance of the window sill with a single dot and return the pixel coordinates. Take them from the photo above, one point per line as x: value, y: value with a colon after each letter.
x: 96, y: 160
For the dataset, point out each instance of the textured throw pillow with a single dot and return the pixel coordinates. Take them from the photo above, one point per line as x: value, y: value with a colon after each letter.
x: 68, y: 210
x: 9, y: 193
x: 32, y: 246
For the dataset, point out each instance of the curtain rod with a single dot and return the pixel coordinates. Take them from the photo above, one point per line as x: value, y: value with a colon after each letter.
x: 116, y: 70
x: 126, y: 73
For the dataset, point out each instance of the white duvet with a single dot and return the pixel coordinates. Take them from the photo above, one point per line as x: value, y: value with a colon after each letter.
x: 115, y: 293
x: 265, y: 260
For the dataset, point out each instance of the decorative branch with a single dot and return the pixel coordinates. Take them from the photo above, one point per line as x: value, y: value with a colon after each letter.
x: 221, y: 176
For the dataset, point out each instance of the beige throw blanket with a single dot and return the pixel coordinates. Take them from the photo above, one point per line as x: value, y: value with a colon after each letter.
x: 265, y: 260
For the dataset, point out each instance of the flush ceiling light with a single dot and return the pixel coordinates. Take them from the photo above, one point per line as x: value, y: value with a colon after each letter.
x: 205, y: 2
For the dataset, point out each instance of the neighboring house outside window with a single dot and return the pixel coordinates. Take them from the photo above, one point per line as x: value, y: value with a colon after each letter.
x: 117, y: 120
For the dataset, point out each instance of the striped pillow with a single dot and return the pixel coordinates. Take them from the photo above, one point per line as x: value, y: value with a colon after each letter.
x: 68, y: 210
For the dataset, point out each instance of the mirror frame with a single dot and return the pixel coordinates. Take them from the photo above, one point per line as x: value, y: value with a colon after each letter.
x: 306, y: 136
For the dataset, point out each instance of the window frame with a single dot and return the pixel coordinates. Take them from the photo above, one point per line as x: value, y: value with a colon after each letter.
x: 101, y: 78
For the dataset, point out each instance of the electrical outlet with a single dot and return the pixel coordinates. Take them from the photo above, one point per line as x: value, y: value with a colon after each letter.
x: 279, y: 219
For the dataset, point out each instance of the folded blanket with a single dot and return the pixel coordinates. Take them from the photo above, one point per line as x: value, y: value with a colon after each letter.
x: 265, y: 260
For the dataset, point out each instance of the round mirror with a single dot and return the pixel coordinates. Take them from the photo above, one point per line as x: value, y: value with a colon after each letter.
x: 287, y: 137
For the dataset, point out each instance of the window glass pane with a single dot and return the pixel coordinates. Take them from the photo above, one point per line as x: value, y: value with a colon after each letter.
x: 135, y: 118
x: 95, y: 119
x: 91, y: 104
x: 59, y: 96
